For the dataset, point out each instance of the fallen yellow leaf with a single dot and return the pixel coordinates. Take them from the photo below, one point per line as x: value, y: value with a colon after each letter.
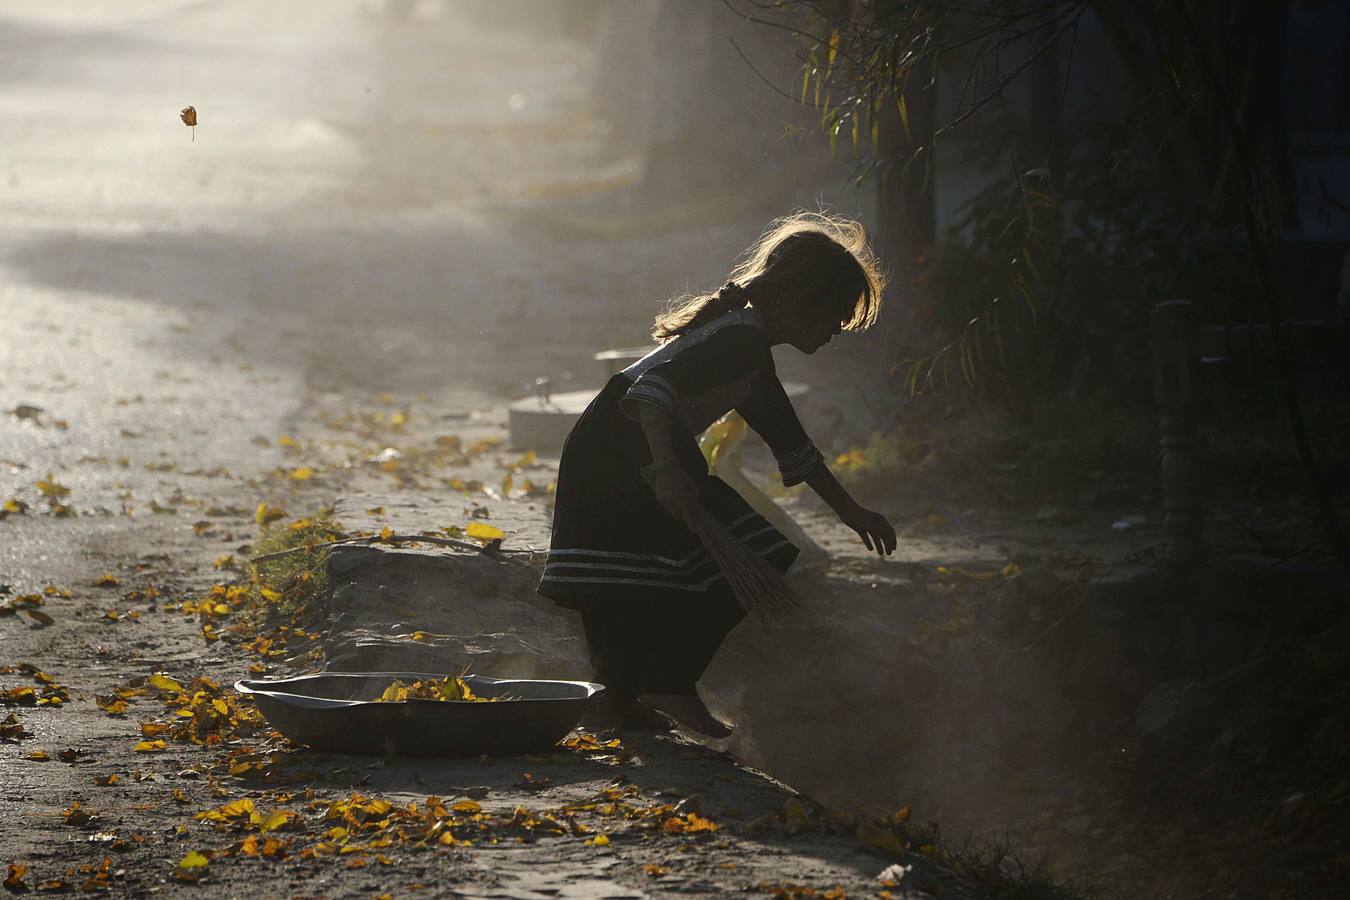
x: 278, y: 819
x: 264, y: 513
x: 15, y: 880
x: 192, y: 867
x: 111, y: 705
x: 163, y: 682
x: 236, y: 808
x: 49, y: 487
x: 484, y: 532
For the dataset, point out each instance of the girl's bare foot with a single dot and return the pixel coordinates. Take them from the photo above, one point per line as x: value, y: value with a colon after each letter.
x: 621, y: 713
x: 689, y: 711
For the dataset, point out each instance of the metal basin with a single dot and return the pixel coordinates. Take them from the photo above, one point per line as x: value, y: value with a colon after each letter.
x: 335, y: 711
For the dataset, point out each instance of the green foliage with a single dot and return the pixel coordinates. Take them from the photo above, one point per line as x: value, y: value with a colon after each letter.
x: 1050, y: 273
x: 289, y: 581
x: 860, y: 62
x: 995, y: 867
x: 1056, y: 285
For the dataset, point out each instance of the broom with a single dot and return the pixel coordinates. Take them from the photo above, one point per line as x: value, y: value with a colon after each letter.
x: 760, y: 588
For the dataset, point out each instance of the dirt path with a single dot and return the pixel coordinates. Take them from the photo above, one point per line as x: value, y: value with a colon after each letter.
x: 92, y: 801
x: 360, y: 251
x: 191, y: 322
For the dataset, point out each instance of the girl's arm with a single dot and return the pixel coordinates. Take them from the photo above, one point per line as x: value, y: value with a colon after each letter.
x: 675, y: 488
x: 769, y: 412
x: 872, y: 527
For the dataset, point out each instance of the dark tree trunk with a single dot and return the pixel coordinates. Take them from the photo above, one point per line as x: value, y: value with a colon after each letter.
x: 906, y: 214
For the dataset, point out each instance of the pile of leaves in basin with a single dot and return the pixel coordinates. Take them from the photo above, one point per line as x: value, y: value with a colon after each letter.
x: 450, y: 688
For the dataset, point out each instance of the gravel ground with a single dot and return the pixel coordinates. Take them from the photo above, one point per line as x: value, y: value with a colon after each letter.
x: 345, y: 235
x: 363, y: 245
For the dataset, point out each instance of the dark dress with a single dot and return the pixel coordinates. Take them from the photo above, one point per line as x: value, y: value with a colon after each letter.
x: 654, y: 604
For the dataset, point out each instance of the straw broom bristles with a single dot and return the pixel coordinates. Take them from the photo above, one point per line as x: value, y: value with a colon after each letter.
x: 760, y: 588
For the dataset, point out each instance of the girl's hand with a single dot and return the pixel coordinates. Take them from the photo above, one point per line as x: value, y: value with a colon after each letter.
x: 678, y: 494
x: 873, y: 528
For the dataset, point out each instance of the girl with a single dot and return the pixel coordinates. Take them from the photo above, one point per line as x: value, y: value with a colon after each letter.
x: 653, y: 603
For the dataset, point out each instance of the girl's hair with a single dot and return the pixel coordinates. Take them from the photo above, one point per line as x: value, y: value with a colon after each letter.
x: 803, y: 259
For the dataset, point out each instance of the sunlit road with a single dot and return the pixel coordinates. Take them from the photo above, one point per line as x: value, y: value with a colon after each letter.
x: 333, y: 224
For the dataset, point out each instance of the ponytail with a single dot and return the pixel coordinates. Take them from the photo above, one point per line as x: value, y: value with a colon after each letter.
x: 689, y: 313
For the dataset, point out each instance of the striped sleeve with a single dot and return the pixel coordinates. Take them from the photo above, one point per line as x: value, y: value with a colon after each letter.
x: 769, y: 412
x: 655, y: 390
x: 800, y: 464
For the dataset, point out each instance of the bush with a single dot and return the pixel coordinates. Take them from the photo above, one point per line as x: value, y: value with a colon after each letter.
x: 288, y: 582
